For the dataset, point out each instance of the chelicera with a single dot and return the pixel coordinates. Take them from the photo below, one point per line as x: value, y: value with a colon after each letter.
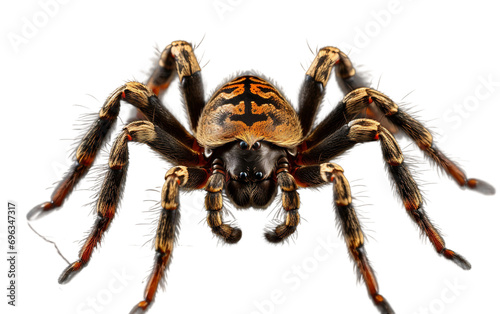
x: 248, y: 142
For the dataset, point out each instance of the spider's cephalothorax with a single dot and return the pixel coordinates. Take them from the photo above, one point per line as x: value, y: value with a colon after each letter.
x: 249, y: 124
x: 249, y: 142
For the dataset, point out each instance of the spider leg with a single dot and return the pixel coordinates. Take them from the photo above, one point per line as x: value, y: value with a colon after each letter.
x: 168, y: 224
x: 213, y: 204
x: 366, y: 130
x: 107, y: 202
x: 290, y: 201
x: 310, y: 176
x: 358, y: 100
x: 179, y: 55
x: 106, y: 205
x: 139, y: 96
x: 317, y: 76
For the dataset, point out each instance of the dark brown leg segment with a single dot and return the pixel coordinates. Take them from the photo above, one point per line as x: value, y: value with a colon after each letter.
x: 172, y: 149
x: 179, y: 55
x: 316, y: 175
x: 358, y: 131
x: 317, y: 76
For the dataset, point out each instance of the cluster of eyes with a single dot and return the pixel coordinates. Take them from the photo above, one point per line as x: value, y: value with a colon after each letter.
x: 244, y: 175
x: 244, y: 145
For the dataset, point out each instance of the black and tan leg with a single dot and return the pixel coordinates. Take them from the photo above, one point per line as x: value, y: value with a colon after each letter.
x: 290, y: 201
x: 317, y: 77
x: 160, y: 141
x: 142, y: 98
x: 179, y: 56
x: 107, y: 203
x: 175, y: 179
x: 214, y: 205
x: 311, y: 176
x: 366, y: 130
x: 358, y: 100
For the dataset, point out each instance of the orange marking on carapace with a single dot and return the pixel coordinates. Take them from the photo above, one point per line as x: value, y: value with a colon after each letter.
x: 250, y: 109
x: 129, y: 137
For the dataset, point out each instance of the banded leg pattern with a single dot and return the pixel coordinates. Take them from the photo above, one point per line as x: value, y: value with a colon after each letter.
x: 139, y: 96
x: 179, y: 56
x: 359, y: 99
x: 290, y: 201
x: 214, y: 205
x: 107, y: 204
x: 315, y: 175
x: 316, y: 79
x: 165, y: 234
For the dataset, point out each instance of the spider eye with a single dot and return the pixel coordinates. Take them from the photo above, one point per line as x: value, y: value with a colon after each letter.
x: 256, y: 145
x: 243, y: 145
x: 243, y: 175
x: 259, y: 175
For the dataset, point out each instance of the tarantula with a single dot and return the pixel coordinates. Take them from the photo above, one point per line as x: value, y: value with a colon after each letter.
x: 248, y: 141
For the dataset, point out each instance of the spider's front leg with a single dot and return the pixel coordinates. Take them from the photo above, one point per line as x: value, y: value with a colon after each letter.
x: 176, y: 178
x: 310, y: 176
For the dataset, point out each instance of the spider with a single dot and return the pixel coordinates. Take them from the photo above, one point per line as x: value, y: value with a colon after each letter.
x: 247, y: 141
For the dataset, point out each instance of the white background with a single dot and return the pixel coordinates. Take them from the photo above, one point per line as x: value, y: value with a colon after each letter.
x: 441, y: 52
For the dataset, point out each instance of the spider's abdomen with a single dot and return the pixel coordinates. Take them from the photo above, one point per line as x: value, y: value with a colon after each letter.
x: 248, y: 108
